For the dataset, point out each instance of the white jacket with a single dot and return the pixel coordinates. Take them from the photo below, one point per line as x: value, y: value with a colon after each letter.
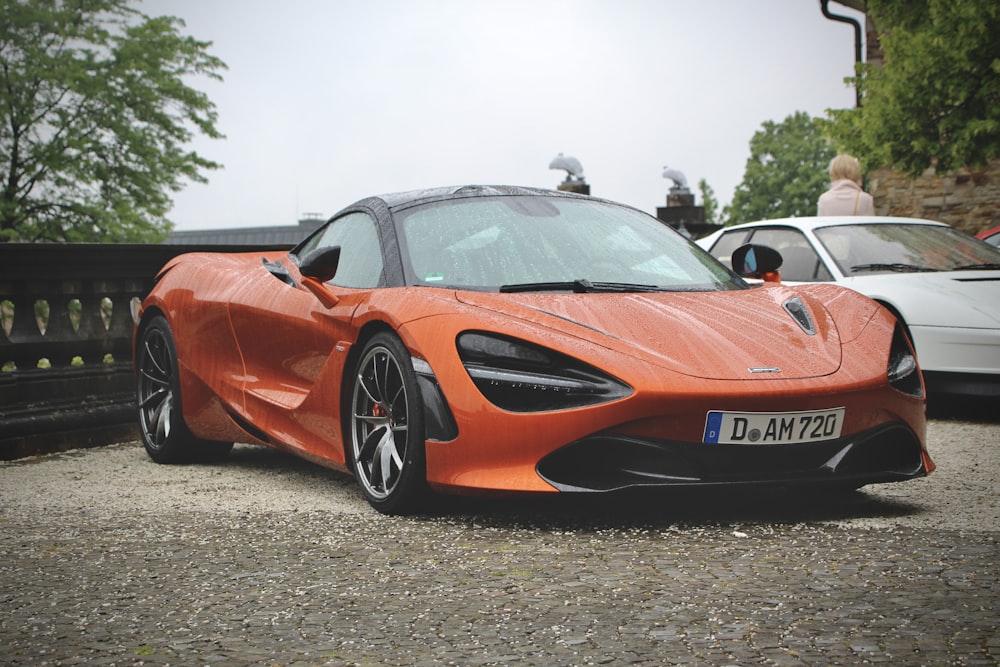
x: 845, y: 198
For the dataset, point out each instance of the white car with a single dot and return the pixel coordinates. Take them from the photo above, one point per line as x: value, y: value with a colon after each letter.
x: 942, y: 284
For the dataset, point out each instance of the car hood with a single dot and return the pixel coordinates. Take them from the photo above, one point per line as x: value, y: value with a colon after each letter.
x: 712, y: 335
x: 949, y: 298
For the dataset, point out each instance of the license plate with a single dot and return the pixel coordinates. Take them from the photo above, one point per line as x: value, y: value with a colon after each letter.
x: 773, y: 428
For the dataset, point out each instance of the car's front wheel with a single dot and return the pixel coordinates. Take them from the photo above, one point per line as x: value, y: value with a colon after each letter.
x: 165, y: 436
x: 387, y: 432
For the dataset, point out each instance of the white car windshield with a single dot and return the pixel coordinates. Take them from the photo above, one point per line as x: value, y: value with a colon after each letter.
x: 536, y: 243
x: 901, y: 247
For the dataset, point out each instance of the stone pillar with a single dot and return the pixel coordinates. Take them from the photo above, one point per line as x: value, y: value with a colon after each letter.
x: 580, y: 187
x: 681, y: 214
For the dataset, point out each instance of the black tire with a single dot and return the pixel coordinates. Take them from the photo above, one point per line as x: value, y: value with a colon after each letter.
x: 165, y: 436
x: 386, y: 436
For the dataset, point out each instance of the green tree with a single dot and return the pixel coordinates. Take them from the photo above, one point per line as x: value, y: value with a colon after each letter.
x: 935, y: 100
x: 708, y: 201
x: 786, y: 173
x: 94, y: 117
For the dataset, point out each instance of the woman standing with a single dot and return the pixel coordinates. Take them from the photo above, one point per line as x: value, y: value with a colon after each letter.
x: 845, y: 196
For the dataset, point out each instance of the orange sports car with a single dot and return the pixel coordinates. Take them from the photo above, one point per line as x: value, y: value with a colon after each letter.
x: 505, y: 339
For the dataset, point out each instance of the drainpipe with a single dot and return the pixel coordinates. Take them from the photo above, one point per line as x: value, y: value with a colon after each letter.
x: 824, y: 5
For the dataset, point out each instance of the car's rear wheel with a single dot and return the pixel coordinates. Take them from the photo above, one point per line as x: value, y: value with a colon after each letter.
x: 165, y: 436
x: 387, y: 432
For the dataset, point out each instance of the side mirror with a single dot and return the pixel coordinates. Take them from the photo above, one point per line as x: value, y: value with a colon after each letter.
x: 320, y: 264
x: 757, y: 261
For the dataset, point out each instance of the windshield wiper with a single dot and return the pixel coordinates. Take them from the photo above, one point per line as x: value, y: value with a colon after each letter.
x: 580, y: 285
x: 899, y: 267
x: 977, y: 267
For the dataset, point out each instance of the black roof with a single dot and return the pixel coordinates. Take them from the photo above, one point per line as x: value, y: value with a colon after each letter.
x: 403, y: 199
x: 397, y: 199
x: 290, y: 235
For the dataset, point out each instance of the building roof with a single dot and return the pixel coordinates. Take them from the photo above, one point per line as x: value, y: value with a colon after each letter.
x: 277, y: 235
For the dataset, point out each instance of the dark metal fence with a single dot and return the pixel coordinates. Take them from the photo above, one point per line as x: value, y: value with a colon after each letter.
x: 65, y: 344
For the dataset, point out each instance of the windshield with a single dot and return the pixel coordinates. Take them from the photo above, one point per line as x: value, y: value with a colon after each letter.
x: 537, y: 243
x: 901, y: 247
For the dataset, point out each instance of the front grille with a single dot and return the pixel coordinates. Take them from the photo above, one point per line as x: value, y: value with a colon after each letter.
x: 609, y: 462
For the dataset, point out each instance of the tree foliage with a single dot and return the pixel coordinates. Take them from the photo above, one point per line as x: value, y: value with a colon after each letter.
x: 786, y: 173
x: 935, y: 101
x: 95, y: 116
x: 708, y: 201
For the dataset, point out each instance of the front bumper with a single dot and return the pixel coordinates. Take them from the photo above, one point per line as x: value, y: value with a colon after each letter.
x: 887, y: 453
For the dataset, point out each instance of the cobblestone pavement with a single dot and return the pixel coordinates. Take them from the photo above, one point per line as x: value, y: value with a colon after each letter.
x: 110, y: 559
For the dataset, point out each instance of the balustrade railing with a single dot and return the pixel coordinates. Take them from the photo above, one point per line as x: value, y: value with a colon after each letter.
x: 66, y: 340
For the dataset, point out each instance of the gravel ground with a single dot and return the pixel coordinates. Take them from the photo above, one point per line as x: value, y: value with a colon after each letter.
x: 108, y: 558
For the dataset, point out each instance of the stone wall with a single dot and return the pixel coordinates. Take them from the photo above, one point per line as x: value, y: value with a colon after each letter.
x: 968, y: 199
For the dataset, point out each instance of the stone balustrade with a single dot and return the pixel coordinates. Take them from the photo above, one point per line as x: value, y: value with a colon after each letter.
x: 66, y: 340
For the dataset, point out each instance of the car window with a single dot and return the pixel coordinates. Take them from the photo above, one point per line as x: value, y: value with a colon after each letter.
x: 360, y: 251
x: 799, y: 262
x: 723, y: 248
x: 486, y: 243
x: 892, y: 247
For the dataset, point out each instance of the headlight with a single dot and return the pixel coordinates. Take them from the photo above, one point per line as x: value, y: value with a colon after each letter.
x: 522, y: 377
x: 903, y: 373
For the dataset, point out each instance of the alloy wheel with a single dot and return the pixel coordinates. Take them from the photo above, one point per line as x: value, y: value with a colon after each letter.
x: 155, y: 390
x: 380, y: 428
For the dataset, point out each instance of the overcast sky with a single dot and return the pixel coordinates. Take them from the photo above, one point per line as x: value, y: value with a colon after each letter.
x: 329, y: 101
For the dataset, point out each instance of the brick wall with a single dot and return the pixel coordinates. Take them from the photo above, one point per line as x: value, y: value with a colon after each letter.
x: 968, y: 198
